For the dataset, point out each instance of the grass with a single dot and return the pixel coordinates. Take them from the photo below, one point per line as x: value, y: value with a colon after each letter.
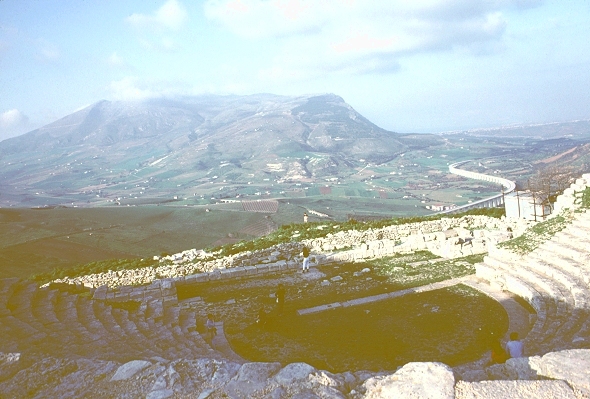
x: 287, y: 233
x: 441, y: 325
x: 586, y: 198
x: 306, y: 231
x: 535, y: 236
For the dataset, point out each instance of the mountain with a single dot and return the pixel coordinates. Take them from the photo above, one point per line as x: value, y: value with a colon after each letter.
x: 182, y: 146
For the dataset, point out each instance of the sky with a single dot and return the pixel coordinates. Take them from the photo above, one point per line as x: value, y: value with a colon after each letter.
x: 407, y: 65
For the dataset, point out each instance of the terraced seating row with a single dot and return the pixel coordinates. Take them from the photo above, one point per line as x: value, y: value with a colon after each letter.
x: 43, y: 320
x: 554, y: 279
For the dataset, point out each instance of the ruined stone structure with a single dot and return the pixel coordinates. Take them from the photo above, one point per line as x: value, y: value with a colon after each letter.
x: 60, y: 344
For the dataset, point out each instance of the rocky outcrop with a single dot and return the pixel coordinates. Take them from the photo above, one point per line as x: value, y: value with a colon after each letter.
x: 554, y: 375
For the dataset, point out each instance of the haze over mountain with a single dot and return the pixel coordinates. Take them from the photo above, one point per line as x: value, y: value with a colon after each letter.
x: 214, y: 147
x: 189, y: 141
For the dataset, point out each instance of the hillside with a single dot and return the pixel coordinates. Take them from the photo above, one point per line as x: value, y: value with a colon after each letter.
x: 179, y: 147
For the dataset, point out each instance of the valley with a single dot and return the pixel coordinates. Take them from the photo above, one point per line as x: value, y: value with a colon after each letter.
x: 137, y: 179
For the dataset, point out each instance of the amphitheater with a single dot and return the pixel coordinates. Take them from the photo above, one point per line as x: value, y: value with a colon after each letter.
x: 60, y: 343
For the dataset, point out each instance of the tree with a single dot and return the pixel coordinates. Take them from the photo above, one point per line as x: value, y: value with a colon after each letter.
x: 551, y: 181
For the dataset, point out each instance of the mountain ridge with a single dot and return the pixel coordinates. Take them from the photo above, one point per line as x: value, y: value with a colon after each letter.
x: 190, y: 139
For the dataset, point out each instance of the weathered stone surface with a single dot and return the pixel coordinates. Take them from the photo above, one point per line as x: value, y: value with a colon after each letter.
x: 414, y: 380
x: 513, y: 390
x: 160, y: 394
x: 523, y: 368
x: 251, y: 377
x: 129, y: 369
x: 570, y: 365
x: 293, y: 372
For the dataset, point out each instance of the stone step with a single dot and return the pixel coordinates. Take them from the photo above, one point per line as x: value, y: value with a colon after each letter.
x: 569, y: 266
x: 516, y: 389
x: 572, y: 232
x: 67, y: 313
x: 155, y: 311
x: 102, y: 313
x: 187, y: 320
x: 122, y: 318
x: 564, y: 250
x: 171, y: 316
x: 581, y: 338
x: 86, y: 317
x: 565, y: 336
x: 545, y: 307
x: 19, y: 330
x: 543, y: 285
x: 43, y: 309
x: 7, y: 287
x: 576, y: 287
x: 20, y: 302
x: 582, y: 222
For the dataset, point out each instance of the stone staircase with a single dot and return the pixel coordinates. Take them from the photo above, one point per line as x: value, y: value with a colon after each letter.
x: 62, y: 324
x: 554, y: 279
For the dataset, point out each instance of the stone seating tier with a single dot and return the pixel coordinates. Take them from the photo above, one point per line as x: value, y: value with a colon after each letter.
x: 44, y: 320
x: 554, y: 279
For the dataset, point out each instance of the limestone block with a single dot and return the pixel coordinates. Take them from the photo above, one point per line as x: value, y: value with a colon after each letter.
x: 197, y: 278
x: 239, y: 271
x: 224, y: 372
x: 414, y: 380
x: 137, y: 293
x: 152, y: 293
x: 429, y: 237
x: 227, y: 274
x: 121, y: 296
x: 513, y: 390
x: 251, y: 377
x: 215, y: 275
x: 129, y: 369
x: 570, y: 365
x: 273, y: 268
x: 523, y: 368
x: 293, y: 372
x: 440, y: 236
x: 101, y: 292
x: 160, y: 394
x: 171, y: 300
x: 260, y: 269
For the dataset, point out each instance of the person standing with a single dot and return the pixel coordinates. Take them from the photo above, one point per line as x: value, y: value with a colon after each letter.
x: 280, y: 294
x: 305, y: 217
x: 305, y: 259
x: 515, y: 347
x: 211, y: 329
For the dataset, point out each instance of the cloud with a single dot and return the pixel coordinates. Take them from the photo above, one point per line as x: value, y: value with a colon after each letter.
x: 129, y: 89
x: 362, y: 36
x: 132, y: 88
x: 171, y: 16
x: 154, y: 30
x: 47, y: 51
x: 12, y: 123
x: 115, y: 60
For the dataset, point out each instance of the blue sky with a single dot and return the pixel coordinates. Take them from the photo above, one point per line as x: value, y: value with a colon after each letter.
x: 407, y: 65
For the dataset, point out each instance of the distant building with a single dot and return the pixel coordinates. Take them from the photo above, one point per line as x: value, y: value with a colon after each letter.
x: 440, y: 207
x: 526, y: 205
